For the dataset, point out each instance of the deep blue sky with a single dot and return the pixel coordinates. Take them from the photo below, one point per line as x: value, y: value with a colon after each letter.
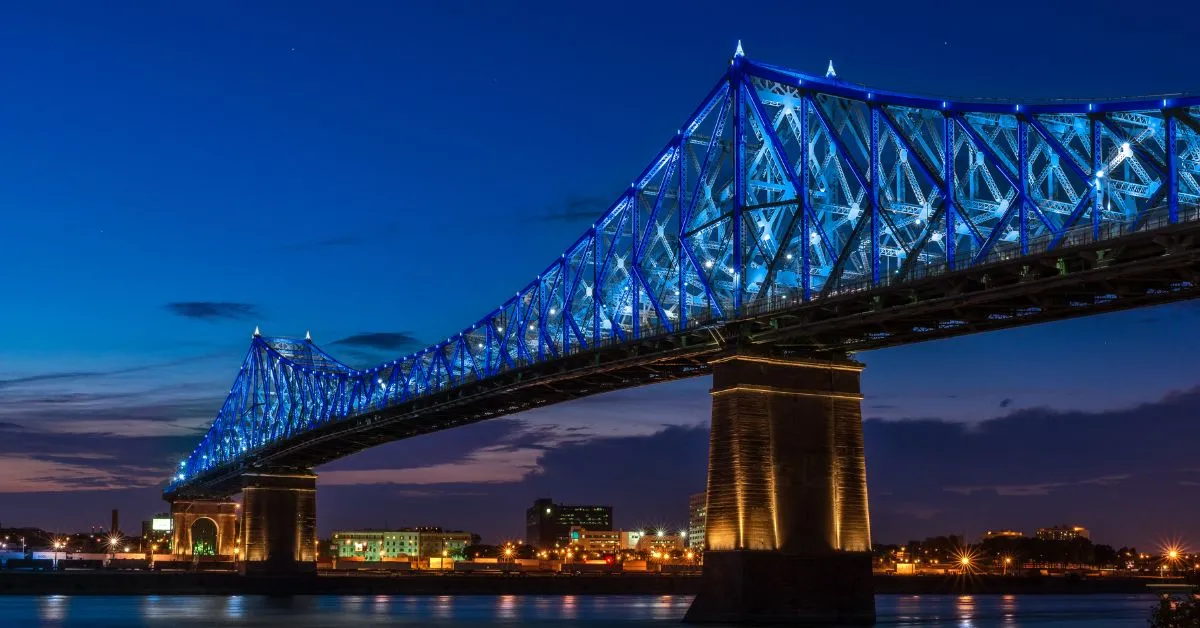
x: 380, y: 172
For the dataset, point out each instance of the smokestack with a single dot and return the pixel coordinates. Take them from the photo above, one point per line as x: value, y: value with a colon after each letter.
x: 116, y: 526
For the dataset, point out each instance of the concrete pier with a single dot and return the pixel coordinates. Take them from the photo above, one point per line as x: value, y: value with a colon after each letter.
x: 788, y: 535
x: 279, y: 523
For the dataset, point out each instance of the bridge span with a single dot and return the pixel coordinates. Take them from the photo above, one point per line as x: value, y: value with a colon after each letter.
x: 791, y: 221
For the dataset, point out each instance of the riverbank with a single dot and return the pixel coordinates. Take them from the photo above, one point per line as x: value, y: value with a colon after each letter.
x: 154, y: 583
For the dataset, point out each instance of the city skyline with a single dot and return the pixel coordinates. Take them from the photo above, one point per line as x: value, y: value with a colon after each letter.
x: 318, y: 167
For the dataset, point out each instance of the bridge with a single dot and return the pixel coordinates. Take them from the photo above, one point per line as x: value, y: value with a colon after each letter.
x: 791, y: 221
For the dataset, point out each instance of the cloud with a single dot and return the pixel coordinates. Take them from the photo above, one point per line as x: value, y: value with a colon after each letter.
x: 27, y: 474
x: 419, y: 493
x: 1044, y: 488
x: 1113, y: 471
x: 646, y: 478
x: 126, y: 428
x: 576, y: 209
x: 213, y: 310
x: 30, y: 381
x: 381, y: 341
x: 47, y: 377
x: 487, y: 465
x: 79, y: 456
x: 1006, y: 402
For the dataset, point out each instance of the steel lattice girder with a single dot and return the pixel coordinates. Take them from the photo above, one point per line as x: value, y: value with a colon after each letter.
x: 780, y: 190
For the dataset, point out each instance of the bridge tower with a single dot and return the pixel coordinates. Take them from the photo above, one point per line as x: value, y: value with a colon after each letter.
x: 273, y: 532
x: 279, y: 522
x: 787, y: 536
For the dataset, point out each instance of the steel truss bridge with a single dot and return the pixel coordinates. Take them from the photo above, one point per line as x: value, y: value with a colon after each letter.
x: 801, y: 213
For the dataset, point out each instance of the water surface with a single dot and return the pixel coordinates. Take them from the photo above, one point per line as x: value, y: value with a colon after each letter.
x: 169, y: 611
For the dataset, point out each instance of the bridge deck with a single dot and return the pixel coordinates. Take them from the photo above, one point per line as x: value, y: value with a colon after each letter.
x: 1157, y: 265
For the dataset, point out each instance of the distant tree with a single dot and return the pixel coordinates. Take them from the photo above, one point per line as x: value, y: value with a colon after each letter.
x: 1105, y: 556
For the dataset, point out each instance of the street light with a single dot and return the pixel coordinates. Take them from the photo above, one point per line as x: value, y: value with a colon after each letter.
x: 114, y: 541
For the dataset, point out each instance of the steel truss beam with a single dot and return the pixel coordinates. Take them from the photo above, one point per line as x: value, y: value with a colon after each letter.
x: 795, y: 211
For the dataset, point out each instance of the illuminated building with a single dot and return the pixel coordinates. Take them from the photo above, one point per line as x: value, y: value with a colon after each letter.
x: 374, y: 545
x: 604, y: 540
x: 1063, y: 533
x: 382, y: 545
x: 697, y: 505
x: 548, y: 524
x: 661, y: 541
x: 438, y: 542
x: 1003, y: 534
x: 596, y: 540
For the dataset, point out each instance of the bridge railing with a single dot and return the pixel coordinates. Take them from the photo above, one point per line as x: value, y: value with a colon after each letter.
x: 1078, y: 236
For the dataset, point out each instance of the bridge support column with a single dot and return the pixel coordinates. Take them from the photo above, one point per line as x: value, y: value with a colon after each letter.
x: 787, y: 532
x: 204, y: 528
x: 279, y: 523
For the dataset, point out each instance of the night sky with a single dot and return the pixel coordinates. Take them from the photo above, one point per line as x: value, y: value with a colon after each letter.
x: 383, y: 173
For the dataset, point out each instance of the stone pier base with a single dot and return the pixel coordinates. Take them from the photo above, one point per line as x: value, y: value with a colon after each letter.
x: 747, y: 587
x: 787, y: 531
x: 279, y: 523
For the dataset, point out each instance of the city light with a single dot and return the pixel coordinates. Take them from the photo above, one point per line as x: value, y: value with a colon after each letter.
x: 966, y: 560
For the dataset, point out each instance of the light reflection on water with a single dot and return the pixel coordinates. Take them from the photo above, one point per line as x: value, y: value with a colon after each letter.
x: 166, y: 611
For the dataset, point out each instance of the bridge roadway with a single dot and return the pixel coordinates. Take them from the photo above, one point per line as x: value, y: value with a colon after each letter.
x: 1156, y: 263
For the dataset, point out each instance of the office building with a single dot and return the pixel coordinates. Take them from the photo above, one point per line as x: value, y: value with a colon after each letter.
x: 697, y: 506
x: 662, y: 542
x: 601, y: 541
x: 1063, y: 533
x: 548, y: 524
x: 404, y: 544
x: 1003, y: 534
x: 604, y: 541
x: 434, y: 542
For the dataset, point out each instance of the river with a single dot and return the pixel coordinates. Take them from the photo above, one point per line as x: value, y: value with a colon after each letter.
x: 966, y: 611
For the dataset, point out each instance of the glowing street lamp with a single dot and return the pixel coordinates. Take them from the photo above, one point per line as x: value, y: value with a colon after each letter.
x: 965, y: 560
x: 114, y: 541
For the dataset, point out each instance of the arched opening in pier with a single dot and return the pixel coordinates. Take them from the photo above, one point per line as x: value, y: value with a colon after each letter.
x: 204, y: 537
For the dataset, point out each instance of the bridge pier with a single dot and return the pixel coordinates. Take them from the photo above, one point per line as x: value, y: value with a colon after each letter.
x: 788, y: 536
x: 204, y: 527
x: 279, y: 523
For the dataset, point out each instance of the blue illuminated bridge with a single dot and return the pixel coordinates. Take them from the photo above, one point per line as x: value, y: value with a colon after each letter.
x: 800, y: 215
